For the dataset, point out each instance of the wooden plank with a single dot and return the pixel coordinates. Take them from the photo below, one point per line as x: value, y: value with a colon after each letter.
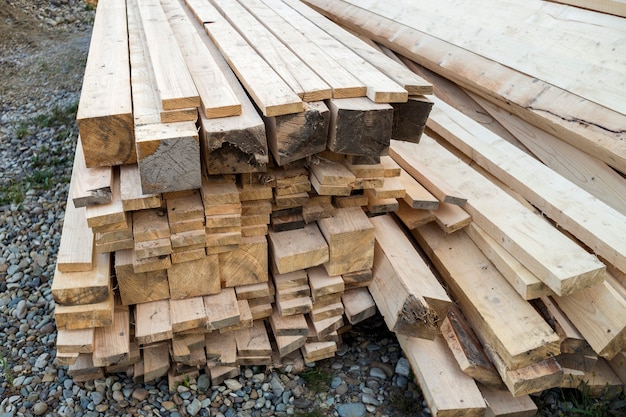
x: 84, y: 316
x: 183, y: 208
x: 467, y: 350
x: 88, y: 287
x: 168, y: 155
x: 175, y: 92
x: 290, y: 306
x: 380, y: 88
x: 571, y: 270
x: 270, y: 93
x: 327, y: 311
x: 331, y: 173
x: 358, y: 305
x: 572, y: 342
x: 490, y: 302
x: 75, y: 341
x: 156, y: 361
x: 381, y: 205
x: 322, y: 283
x: 84, y: 370
x: 298, y: 249
x: 591, y: 174
x: 253, y: 341
x: 437, y: 371
x: 554, y: 110
x: 187, y: 314
x: 289, y: 344
x: 578, y: 213
x: 292, y: 325
x: 416, y: 195
x: 323, y: 328
x: 223, y: 347
x: 408, y: 80
x: 527, y: 285
x: 76, y: 246
x: 413, y: 218
x: 248, y: 264
x: 131, y: 192
x: 343, y: 83
x: 152, y: 249
x: 216, y: 97
x: 136, y: 288
x: 195, y: 278
x: 615, y: 7
x: 104, y: 116
x: 501, y: 403
x: 618, y: 365
x: 316, y: 351
x: 451, y: 217
x: 150, y: 224
x: 348, y: 229
x: 112, y: 343
x: 406, y: 292
x: 245, y: 318
x: 409, y: 119
x: 221, y: 309
x: 92, y: 185
x: 601, y: 382
x: 153, y: 322
x: 110, y: 213
x: 391, y: 188
x: 151, y: 264
x: 358, y: 126
x: 300, y: 78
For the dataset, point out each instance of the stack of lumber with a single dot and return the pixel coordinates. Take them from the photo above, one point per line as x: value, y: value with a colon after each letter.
x: 229, y: 152
x: 531, y: 132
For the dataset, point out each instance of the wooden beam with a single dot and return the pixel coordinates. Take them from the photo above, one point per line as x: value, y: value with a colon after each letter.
x: 298, y: 249
x: 406, y: 292
x: 188, y: 314
x: 153, y: 322
x: 571, y: 270
x: 112, y: 343
x: 84, y: 316
x: 194, y: 278
x: 133, y: 287
x: 104, y: 115
x: 87, y: 287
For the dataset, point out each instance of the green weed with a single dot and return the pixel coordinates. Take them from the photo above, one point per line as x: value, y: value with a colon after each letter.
x: 314, y: 413
x: 12, y: 193
x: 315, y: 379
x: 6, y: 369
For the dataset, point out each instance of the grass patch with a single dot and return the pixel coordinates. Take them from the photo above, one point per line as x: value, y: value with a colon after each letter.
x: 40, y: 178
x: 12, y: 193
x: 21, y: 130
x: 314, y: 413
x: 316, y: 380
x: 57, y: 117
x: 402, y: 404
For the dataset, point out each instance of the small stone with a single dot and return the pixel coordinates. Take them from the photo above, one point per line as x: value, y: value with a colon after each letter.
x: 233, y: 384
x: 301, y: 403
x: 20, y: 309
x: 40, y: 408
x: 335, y: 382
x: 118, y: 396
x: 277, y: 386
x: 351, y: 410
x: 42, y: 360
x: 369, y: 399
x: 168, y: 405
x: 403, y: 367
x: 97, y: 397
x: 402, y: 381
x: 378, y: 373
x: 248, y: 373
x: 204, y: 382
x: 140, y: 394
x: 194, y: 407
x: 341, y: 389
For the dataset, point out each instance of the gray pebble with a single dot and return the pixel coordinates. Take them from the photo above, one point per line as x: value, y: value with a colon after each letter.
x: 378, y: 373
x: 351, y: 410
x: 194, y: 407
x: 40, y: 408
x: 403, y: 367
x: 233, y: 384
x: 97, y: 397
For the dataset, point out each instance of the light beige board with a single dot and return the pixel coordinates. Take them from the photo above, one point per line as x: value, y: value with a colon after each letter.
x: 599, y: 314
x: 437, y: 372
x: 451, y: 217
x: 380, y: 88
x: 216, y: 97
x: 601, y: 381
x: 112, y: 343
x: 183, y: 208
x: 616, y: 7
x: 413, y: 218
x: 194, y: 278
x: 414, y: 84
x: 221, y: 309
x: 84, y: 316
x: 156, y: 361
x: 342, y: 82
x: 488, y: 302
x: 84, y: 370
x: 187, y: 314
x: 104, y: 116
x: 87, y: 287
x: 76, y: 247
x: 527, y: 285
x: 136, y: 288
x: 173, y: 81
x: 501, y: 403
x: 150, y: 225
x: 246, y: 292
x: 331, y: 173
x: 406, y: 292
x: 223, y: 347
x: 253, y: 341
x: 133, y: 197
x: 291, y: 279
x: 392, y: 188
x: 109, y: 213
x: 293, y: 325
x: 564, y: 271
x: 271, y: 94
x: 596, y: 224
x: 92, y: 185
x: 152, y: 249
x: 316, y: 351
x: 346, y: 231
x: 75, y: 341
x: 321, y: 283
x: 358, y: 305
x: 153, y: 322
x: 578, y: 122
x: 416, y: 196
x: 298, y: 249
x: 248, y: 264
x: 302, y: 80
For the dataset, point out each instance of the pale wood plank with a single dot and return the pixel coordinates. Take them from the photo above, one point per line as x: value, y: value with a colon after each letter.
x: 615, y: 7
x: 136, y: 288
x: 84, y: 316
x: 110, y: 213
x: 501, y: 403
x: 112, y: 343
x: 358, y: 305
x: 571, y: 270
x: 133, y: 198
x: 153, y: 322
x: 194, y: 278
x: 104, y: 116
x: 298, y: 249
x: 490, y: 302
x: 407, y: 293
x: 92, y: 185
x: 451, y: 217
x: 416, y: 195
x: 87, y: 287
x: 187, y: 314
x: 75, y: 341
x: 221, y: 309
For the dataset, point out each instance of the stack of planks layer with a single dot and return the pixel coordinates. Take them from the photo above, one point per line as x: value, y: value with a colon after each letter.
x: 229, y: 155
x: 531, y: 133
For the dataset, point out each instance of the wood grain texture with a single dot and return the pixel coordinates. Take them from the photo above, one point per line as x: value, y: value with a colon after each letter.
x: 136, y: 288
x: 298, y: 249
x: 87, y: 287
x: 92, y: 185
x: 195, y: 278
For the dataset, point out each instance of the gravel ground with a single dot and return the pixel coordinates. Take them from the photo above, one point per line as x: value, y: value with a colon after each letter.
x: 43, y: 48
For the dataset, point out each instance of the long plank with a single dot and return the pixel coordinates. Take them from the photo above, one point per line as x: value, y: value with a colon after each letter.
x: 76, y: 247
x: 92, y: 185
x: 133, y: 198
x: 173, y: 80
x: 590, y: 127
x: 414, y: 84
x: 84, y: 287
x: 406, y: 292
x: 501, y: 216
x: 216, y: 96
x: 270, y: 93
x: 302, y: 80
x: 380, y: 88
x: 615, y: 7
x: 488, y: 301
x: 596, y: 224
x: 110, y: 213
x: 152, y: 322
x: 343, y: 84
x: 104, y: 116
x: 112, y: 343
x: 447, y: 390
